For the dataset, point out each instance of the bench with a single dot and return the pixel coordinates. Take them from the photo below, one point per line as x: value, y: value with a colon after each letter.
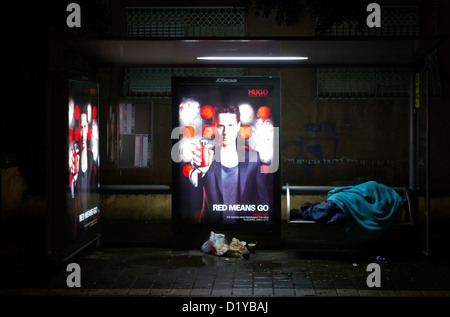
x: 404, y: 192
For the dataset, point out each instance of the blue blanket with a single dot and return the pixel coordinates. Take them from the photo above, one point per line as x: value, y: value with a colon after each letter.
x: 370, y: 208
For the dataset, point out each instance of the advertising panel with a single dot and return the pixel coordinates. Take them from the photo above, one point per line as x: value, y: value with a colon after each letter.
x: 225, y: 152
x: 83, y: 161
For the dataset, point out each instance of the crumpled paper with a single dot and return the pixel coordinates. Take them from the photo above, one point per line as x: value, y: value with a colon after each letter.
x: 236, y: 248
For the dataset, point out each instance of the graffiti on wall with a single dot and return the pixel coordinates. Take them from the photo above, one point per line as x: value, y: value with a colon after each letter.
x: 313, y: 151
x: 319, y: 150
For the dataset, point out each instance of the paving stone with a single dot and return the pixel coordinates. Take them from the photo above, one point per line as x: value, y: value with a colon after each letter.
x: 279, y: 273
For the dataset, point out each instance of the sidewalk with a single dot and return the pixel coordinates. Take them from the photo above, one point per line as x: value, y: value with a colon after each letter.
x: 167, y: 272
x: 152, y: 270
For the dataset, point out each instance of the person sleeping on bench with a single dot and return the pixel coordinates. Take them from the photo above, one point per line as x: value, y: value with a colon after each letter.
x: 365, y: 210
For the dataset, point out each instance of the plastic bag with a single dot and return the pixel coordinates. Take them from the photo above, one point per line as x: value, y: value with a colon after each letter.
x: 206, y: 247
x: 216, y: 244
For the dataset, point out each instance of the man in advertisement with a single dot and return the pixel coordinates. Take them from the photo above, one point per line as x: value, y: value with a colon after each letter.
x: 82, y: 167
x: 235, y: 188
x: 85, y: 179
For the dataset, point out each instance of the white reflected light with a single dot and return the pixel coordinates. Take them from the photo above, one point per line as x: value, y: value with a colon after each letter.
x: 246, y: 113
x: 89, y: 113
x: 252, y: 58
x: 188, y: 111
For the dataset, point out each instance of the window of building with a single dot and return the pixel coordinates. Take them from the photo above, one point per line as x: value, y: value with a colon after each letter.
x: 157, y: 22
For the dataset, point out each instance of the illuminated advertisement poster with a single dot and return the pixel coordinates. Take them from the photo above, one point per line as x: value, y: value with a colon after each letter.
x: 82, y: 163
x: 225, y: 151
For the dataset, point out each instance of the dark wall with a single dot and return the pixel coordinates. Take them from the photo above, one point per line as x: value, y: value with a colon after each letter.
x: 336, y: 141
